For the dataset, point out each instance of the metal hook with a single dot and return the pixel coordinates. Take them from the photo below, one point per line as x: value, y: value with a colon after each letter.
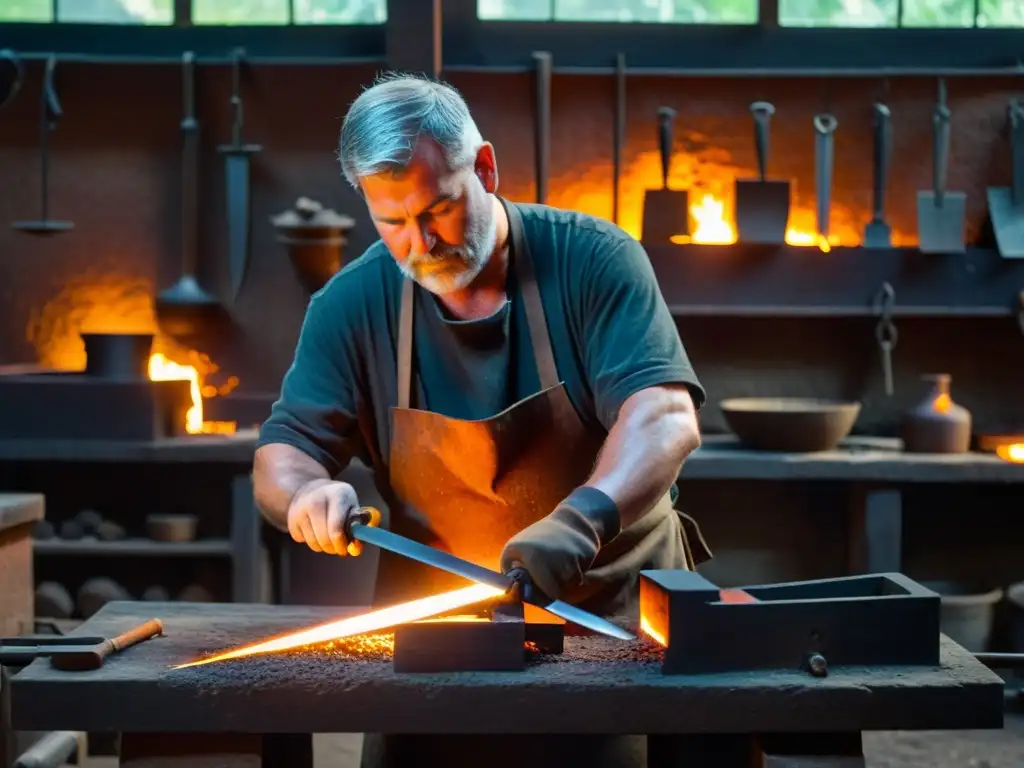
x: 885, y: 299
x: 18, y: 80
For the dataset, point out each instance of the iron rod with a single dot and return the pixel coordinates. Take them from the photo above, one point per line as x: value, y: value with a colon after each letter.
x: 682, y: 72
x: 221, y: 60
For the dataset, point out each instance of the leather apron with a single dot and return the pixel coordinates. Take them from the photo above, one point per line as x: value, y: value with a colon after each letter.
x: 468, y: 486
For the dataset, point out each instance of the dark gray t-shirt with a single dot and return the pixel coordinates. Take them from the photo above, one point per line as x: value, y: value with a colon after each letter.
x: 611, y: 334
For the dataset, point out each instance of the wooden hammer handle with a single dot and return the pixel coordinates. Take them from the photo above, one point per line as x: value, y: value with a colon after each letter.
x: 142, y: 632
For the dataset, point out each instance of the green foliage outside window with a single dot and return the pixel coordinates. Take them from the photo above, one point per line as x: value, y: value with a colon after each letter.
x: 228, y: 12
x: 806, y: 13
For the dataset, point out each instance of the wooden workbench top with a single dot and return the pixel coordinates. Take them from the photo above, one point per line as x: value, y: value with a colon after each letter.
x: 20, y: 508
x: 597, y: 686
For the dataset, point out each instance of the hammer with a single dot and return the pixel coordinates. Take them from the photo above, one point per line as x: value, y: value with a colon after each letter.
x: 74, y: 654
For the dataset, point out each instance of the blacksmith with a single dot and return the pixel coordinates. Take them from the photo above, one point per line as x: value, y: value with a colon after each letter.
x: 509, y: 371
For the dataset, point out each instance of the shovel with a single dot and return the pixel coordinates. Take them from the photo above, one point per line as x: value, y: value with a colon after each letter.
x: 877, y: 233
x: 666, y: 211
x: 186, y: 308
x: 236, y: 172
x: 824, y: 155
x: 762, y: 206
x: 1006, y: 205
x: 941, y: 214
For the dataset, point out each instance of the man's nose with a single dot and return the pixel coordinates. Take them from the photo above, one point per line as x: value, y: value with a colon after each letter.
x: 422, y: 239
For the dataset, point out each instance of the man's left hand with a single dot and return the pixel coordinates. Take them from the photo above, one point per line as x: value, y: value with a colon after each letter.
x: 559, y: 549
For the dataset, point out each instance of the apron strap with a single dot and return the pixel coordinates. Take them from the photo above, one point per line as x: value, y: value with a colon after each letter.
x: 535, y: 317
x: 405, y: 345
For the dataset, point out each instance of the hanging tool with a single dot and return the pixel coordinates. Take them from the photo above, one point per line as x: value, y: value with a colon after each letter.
x: 886, y: 334
x: 184, y: 307
x: 941, y: 214
x: 666, y: 211
x: 762, y: 206
x: 364, y: 527
x: 618, y: 136
x: 824, y: 153
x: 49, y: 113
x: 12, y: 85
x: 1006, y: 205
x: 74, y: 654
x: 542, y: 123
x: 236, y: 175
x: 877, y: 233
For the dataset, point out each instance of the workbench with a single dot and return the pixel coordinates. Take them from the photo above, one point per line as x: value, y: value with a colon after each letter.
x: 597, y: 686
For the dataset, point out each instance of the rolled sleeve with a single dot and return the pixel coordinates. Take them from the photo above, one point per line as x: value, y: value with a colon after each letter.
x: 631, y: 339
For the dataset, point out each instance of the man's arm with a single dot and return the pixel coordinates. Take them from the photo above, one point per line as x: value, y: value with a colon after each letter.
x: 655, y: 431
x: 279, y: 473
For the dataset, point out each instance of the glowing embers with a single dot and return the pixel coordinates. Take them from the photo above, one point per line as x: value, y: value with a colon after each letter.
x: 365, y: 623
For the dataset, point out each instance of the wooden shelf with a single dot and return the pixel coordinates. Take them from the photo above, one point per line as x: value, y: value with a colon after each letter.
x: 134, y: 548
x: 752, y: 281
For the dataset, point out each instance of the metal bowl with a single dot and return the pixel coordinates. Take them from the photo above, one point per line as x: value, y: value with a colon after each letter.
x: 791, y: 424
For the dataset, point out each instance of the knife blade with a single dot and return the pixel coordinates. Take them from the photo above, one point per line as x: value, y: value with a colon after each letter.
x: 363, y: 528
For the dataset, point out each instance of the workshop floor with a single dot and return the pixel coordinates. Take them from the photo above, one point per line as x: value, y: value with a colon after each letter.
x: 922, y: 749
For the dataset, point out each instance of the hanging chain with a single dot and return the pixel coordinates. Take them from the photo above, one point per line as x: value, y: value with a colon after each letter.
x: 885, y: 333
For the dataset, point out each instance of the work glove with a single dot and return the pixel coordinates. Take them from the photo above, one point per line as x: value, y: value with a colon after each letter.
x: 559, y: 549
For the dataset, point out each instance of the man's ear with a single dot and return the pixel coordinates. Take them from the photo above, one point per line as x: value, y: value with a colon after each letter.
x: 486, y: 167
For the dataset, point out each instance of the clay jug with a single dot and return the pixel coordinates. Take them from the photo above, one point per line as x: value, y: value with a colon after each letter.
x: 937, y: 424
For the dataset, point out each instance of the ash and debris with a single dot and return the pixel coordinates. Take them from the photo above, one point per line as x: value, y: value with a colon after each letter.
x: 596, y: 649
x: 365, y: 657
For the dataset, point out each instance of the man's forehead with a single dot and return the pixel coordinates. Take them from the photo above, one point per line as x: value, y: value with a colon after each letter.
x: 425, y: 178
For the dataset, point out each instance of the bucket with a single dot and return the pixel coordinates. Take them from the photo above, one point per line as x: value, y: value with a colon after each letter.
x: 966, y: 614
x: 1015, y: 596
x: 117, y: 355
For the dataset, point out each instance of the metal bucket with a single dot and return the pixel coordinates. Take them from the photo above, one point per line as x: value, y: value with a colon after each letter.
x: 117, y: 355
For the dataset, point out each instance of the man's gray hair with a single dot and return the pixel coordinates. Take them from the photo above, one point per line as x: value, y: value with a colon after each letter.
x: 386, y: 121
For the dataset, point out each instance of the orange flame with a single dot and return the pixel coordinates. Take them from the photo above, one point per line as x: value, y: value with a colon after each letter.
x: 709, y: 177
x: 364, y: 623
x: 1012, y: 452
x: 651, y: 632
x: 100, y: 303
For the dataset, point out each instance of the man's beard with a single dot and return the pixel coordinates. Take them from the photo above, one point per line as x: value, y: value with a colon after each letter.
x: 452, y: 268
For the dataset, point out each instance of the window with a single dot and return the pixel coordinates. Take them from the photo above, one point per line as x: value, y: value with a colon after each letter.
x: 649, y: 11
x: 224, y: 12
x: 916, y: 13
x: 231, y: 12
x: 89, y: 11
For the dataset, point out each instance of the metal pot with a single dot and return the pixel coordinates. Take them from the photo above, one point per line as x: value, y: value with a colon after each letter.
x: 117, y: 355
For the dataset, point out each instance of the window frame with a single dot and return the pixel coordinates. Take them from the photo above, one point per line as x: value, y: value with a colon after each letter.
x: 763, y: 49
x: 469, y: 44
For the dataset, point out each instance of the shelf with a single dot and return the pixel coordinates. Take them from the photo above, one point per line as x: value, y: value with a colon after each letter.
x: 858, y: 459
x: 134, y: 548
x: 787, y: 281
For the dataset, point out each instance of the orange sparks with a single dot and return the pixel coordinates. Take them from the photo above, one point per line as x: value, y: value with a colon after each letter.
x: 357, y: 625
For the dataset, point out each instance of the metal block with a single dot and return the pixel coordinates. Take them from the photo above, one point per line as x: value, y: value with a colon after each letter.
x: 803, y: 624
x: 69, y: 406
x: 461, y: 644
